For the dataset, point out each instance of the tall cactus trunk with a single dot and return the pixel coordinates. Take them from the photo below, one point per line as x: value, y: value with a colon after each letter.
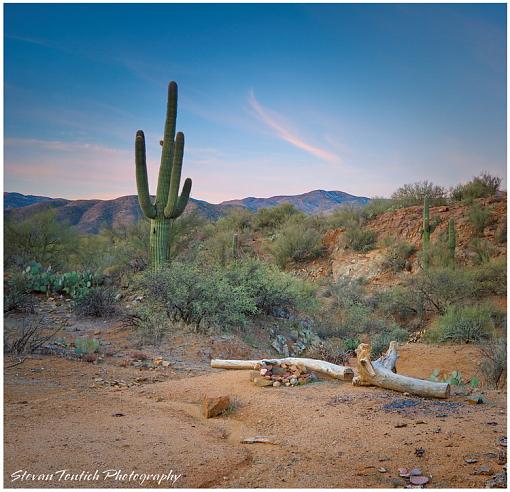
x: 159, y: 247
x: 169, y: 204
x: 426, y: 233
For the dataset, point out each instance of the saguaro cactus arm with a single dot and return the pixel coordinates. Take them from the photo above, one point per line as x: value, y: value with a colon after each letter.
x: 182, y: 201
x: 142, y: 182
x: 175, y: 205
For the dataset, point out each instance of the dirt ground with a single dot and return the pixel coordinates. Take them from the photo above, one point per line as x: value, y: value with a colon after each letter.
x: 325, y: 434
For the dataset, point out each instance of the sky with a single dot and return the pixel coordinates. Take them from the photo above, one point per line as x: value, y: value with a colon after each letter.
x: 273, y: 99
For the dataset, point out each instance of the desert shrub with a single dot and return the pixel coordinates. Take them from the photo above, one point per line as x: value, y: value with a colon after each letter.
x: 359, y: 238
x: 125, y: 250
x: 413, y: 194
x: 350, y: 345
x: 218, y: 247
x: 481, y: 249
x: 400, y: 303
x: 99, y: 302
x: 204, y: 296
x: 17, y: 293
x: 479, y: 217
x: 381, y: 341
x: 198, y: 296
x: 377, y: 206
x: 296, y: 242
x: 479, y: 187
x: 343, y: 216
x: 152, y: 324
x: 28, y: 337
x: 237, y: 220
x: 397, y: 255
x: 344, y: 292
x: 490, y: 278
x: 86, y: 346
x: 273, y: 292
x: 440, y: 288
x: 41, y: 238
x: 274, y: 217
x: 330, y: 351
x: 501, y: 235
x: 464, y: 324
x: 493, y: 362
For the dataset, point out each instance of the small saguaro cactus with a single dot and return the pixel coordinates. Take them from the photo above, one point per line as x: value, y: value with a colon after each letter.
x: 168, y: 204
x: 451, y: 241
x: 426, y: 232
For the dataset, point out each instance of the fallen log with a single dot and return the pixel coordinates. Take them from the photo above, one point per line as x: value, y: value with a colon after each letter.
x: 338, y: 372
x: 382, y: 373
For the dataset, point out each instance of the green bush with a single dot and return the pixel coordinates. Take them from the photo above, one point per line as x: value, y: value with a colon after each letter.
x: 413, y: 194
x: 493, y: 362
x: 439, y: 288
x: 359, y: 238
x: 343, y: 216
x: 273, y: 292
x: 85, y: 346
x: 400, y: 303
x: 381, y: 341
x: 377, y: 206
x: 490, y: 278
x: 479, y: 187
x: 481, y: 249
x: 397, y: 255
x: 204, y: 296
x: 479, y: 217
x: 41, y: 238
x: 464, y: 324
x: 17, y: 293
x: 274, y: 217
x: 350, y: 345
x: 296, y: 242
x: 152, y: 324
x: 99, y: 302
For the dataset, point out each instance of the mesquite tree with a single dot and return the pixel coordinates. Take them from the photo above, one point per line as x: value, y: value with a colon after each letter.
x: 168, y: 204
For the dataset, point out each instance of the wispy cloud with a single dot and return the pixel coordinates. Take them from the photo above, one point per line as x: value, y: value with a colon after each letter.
x: 274, y: 121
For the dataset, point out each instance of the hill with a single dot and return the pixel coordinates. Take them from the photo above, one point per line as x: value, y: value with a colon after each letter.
x: 90, y: 216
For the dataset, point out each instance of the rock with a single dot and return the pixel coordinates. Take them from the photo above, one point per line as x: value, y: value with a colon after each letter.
x: 400, y: 425
x: 212, y: 406
x: 293, y: 381
x: 420, y: 452
x: 483, y: 470
x: 261, y: 381
x: 278, y: 371
x: 253, y: 375
x: 165, y: 363
x: 276, y: 384
x: 418, y: 480
x: 382, y: 470
x: 498, y: 481
x: 502, y: 457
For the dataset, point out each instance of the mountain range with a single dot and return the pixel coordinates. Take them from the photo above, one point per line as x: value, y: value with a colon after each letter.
x: 90, y: 216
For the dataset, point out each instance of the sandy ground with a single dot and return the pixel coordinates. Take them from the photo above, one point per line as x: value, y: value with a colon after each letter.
x: 326, y: 434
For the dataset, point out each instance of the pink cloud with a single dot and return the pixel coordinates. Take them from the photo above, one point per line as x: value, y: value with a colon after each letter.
x: 271, y: 119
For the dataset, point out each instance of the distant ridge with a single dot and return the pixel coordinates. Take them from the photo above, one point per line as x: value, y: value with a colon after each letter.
x: 90, y: 216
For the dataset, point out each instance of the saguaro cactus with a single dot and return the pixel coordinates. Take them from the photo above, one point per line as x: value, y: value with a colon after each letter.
x: 426, y: 232
x: 168, y: 204
x: 451, y: 241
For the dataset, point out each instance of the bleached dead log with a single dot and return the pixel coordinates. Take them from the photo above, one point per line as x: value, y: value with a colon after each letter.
x: 338, y: 372
x: 382, y: 373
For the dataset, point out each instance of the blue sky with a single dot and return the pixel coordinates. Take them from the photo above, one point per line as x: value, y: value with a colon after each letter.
x: 273, y: 99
